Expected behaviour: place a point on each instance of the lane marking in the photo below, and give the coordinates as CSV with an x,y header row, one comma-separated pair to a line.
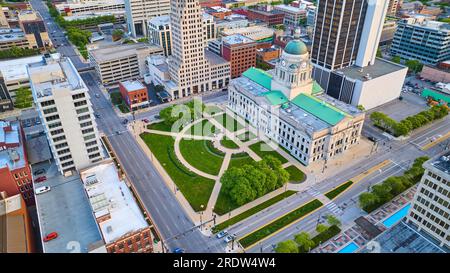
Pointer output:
x,y
437,141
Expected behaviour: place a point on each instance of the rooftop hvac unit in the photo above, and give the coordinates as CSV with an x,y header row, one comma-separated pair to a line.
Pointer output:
x,y
14,155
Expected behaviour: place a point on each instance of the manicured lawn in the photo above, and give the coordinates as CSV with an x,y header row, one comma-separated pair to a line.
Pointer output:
x,y
229,122
249,212
198,155
228,143
160,126
295,175
246,136
279,223
224,204
335,192
204,128
239,160
196,189
212,109
262,149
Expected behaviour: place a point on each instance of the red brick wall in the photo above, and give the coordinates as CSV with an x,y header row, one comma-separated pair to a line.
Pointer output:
x,y
241,57
140,241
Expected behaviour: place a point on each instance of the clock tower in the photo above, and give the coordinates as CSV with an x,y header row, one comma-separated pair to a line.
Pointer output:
x,y
293,70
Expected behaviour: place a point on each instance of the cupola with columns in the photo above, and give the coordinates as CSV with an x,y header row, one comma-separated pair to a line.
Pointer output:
x,y
292,74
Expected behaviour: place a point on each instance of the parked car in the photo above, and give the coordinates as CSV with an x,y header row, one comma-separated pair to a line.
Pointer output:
x,y
50,236
40,179
97,115
228,239
146,120
42,190
97,95
178,250
371,138
157,117
125,121
39,171
221,234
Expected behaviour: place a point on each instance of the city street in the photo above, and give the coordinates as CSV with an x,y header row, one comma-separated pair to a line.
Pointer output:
x,y
169,216
57,36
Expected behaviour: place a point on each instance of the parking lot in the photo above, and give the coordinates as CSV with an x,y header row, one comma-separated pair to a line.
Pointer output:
x,y
411,104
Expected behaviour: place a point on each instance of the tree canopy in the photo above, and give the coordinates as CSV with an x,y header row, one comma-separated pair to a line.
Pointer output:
x,y
246,183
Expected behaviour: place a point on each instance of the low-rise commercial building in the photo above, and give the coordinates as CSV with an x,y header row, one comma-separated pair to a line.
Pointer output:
x,y
430,208
369,86
293,16
14,73
134,93
122,62
240,51
15,172
412,40
231,22
89,7
122,223
13,38
34,28
435,74
260,34
267,14
17,232
218,12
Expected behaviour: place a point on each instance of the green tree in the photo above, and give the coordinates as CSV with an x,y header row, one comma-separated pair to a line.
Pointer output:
x,y
379,54
117,34
303,239
361,107
382,191
159,88
288,246
400,129
396,185
321,228
396,59
367,199
414,65
333,220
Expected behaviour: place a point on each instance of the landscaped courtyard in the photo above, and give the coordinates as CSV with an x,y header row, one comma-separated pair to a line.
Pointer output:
x,y
201,153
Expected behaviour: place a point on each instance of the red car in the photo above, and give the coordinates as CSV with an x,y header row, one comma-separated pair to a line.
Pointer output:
x,y
40,179
50,236
145,120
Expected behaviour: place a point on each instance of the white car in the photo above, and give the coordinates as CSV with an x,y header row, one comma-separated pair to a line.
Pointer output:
x,y
228,239
42,190
221,234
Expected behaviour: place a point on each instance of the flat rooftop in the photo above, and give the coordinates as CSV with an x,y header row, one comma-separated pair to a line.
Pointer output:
x,y
403,238
252,32
13,157
132,85
11,36
236,39
65,209
93,15
16,69
162,20
290,8
442,163
380,68
108,195
52,75
113,52
213,58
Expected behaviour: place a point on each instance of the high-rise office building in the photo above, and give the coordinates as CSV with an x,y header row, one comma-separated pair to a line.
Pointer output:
x,y
347,32
192,69
430,209
345,43
63,103
138,12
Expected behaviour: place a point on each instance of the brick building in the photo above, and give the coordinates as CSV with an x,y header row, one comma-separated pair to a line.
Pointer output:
x,y
121,221
218,12
15,172
134,93
240,51
266,14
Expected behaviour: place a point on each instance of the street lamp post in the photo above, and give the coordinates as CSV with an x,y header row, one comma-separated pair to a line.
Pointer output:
x,y
201,213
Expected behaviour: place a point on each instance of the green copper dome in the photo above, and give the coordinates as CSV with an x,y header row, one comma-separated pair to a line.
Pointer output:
x,y
296,47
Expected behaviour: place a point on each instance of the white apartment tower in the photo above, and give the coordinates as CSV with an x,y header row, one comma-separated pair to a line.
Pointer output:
x,y
138,13
64,106
191,68
430,209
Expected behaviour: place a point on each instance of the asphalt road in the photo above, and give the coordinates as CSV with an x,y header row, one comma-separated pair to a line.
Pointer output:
x,y
402,154
57,36
168,215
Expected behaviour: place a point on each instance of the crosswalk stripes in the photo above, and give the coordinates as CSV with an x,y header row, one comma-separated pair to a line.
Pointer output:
x,y
313,192
334,208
